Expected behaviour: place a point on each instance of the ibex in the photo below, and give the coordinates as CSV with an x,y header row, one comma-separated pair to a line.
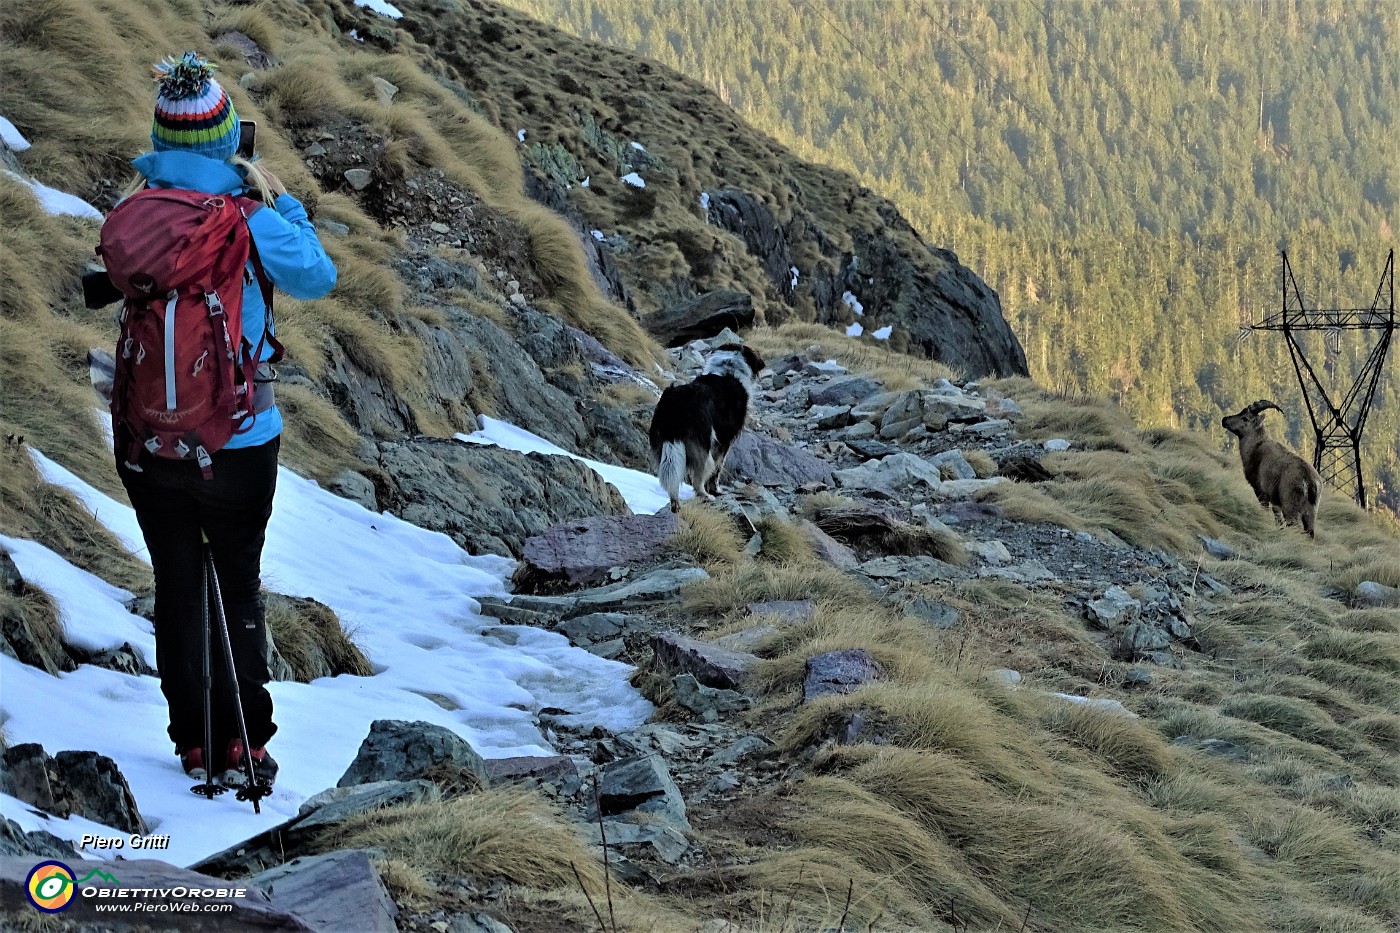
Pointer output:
x,y
1281,479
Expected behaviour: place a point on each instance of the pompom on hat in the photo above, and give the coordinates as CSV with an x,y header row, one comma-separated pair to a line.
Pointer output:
x,y
193,113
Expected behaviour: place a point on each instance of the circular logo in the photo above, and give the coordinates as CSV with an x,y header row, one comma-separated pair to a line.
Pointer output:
x,y
50,886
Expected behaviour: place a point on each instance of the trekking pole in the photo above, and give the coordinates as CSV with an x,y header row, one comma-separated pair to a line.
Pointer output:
x,y
208,789
252,790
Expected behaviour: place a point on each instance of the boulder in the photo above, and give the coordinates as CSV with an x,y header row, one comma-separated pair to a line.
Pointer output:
x,y
596,627
332,892
533,770
894,472
1373,595
580,553
826,547
707,702
642,784
829,417
839,672
919,569
953,462
700,317
488,499
711,665
71,783
1115,607
395,750
843,392
758,458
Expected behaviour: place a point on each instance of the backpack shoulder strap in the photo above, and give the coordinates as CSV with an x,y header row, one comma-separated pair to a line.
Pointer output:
x,y
250,206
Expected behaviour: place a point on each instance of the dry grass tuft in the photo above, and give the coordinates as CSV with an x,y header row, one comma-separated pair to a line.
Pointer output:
x,y
494,833
783,542
760,583
315,435
310,638
981,462
708,535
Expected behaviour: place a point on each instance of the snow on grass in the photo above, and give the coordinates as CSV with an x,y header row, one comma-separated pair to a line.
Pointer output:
x,y
705,200
408,595
381,7
883,333
520,136
57,202
641,491
855,330
116,516
598,235
584,183
793,271
639,147
633,179
12,137
853,303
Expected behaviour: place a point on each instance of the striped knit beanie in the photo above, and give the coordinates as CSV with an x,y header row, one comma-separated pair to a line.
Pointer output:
x,y
193,113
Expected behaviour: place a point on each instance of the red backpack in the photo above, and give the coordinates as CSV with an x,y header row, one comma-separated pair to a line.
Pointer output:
x,y
180,388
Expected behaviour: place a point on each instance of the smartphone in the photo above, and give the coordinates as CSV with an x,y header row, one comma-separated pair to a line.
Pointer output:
x,y
247,138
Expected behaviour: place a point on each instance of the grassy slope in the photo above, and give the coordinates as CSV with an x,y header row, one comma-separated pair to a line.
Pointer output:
x,y
985,805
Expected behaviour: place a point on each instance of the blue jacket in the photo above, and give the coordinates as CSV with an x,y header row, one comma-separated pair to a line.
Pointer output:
x,y
291,254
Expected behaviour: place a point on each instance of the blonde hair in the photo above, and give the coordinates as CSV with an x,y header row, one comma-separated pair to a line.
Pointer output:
x,y
255,181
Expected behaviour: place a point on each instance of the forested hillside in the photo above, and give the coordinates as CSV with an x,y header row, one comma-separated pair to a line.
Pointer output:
x,y
1124,174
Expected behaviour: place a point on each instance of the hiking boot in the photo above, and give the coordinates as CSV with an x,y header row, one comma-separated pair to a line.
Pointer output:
x,y
192,760
235,775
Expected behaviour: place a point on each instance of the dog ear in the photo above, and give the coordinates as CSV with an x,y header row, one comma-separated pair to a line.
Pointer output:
x,y
755,361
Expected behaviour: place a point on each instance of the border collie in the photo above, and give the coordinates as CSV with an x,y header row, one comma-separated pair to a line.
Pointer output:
x,y
695,424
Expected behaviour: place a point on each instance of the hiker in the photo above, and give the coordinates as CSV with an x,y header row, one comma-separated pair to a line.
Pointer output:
x,y
222,490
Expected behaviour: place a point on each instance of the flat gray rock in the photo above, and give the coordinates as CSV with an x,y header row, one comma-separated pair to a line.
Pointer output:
x,y
711,665
844,392
582,552
708,702
338,804
793,609
826,547
839,672
758,458
332,893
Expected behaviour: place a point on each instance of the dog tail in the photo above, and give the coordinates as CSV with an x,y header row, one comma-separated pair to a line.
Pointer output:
x,y
671,471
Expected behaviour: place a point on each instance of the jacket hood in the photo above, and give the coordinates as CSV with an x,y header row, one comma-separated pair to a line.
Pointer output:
x,y
189,170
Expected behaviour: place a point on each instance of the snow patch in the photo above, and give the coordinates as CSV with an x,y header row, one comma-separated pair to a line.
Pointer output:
x,y
520,136
639,147
381,7
410,596
633,179
12,137
705,200
598,235
58,202
584,183
883,333
853,303
855,330
641,491
793,271
354,34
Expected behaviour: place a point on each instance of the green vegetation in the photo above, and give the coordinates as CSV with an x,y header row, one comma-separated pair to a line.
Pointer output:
x,y
1123,175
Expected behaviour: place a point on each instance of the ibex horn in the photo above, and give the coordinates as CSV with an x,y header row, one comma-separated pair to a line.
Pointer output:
x,y
1261,405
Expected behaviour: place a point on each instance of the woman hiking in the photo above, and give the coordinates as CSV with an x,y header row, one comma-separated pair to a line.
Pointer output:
x,y
216,483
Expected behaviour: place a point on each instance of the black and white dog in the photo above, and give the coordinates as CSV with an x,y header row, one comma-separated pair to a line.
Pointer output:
x,y
695,424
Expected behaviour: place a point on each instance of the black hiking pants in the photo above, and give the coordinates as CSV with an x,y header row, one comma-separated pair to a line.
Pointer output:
x,y
173,502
